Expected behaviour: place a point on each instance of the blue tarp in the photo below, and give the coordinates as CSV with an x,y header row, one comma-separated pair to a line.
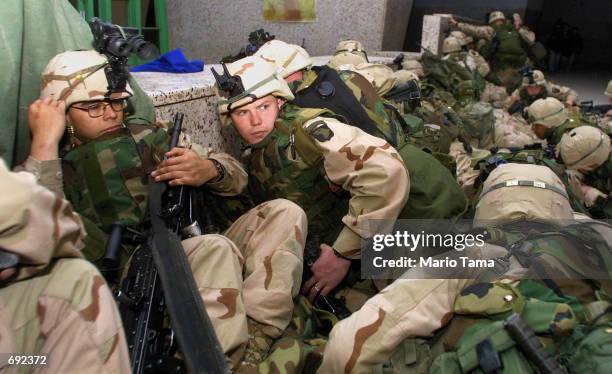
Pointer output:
x,y
171,62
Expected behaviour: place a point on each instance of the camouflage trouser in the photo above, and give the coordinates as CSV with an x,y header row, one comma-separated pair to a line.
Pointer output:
x,y
68,314
254,270
512,131
405,309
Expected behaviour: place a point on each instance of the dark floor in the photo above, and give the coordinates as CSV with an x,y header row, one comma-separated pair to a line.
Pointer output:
x,y
589,83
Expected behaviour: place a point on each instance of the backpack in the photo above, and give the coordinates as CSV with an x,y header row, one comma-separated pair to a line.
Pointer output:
x,y
451,76
575,325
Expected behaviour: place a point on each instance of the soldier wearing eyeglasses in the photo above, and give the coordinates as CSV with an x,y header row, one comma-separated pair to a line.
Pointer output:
x,y
82,147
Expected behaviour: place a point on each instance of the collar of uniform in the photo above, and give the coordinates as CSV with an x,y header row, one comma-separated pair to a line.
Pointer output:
x,y
309,77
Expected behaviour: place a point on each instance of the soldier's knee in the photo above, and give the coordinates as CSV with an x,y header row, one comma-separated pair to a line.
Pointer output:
x,y
77,282
211,242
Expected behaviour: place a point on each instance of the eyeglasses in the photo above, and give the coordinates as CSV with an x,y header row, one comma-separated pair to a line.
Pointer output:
x,y
97,109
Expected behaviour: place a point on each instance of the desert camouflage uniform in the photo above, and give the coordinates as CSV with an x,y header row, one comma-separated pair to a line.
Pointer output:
x,y
58,304
604,122
512,131
235,273
488,32
416,307
350,158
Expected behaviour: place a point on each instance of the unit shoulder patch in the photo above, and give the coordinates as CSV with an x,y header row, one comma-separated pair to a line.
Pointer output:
x,y
320,131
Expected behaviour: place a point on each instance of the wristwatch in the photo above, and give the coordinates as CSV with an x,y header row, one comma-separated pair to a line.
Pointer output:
x,y
220,171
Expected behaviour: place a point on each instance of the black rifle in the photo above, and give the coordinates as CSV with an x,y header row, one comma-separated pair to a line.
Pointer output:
x,y
257,38
408,91
518,107
531,346
159,286
587,107
398,60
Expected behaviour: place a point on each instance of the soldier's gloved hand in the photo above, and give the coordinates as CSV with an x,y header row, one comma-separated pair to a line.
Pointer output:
x,y
47,121
327,273
184,167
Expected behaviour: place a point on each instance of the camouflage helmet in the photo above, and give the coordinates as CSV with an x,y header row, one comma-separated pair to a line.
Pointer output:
x,y
404,76
609,89
288,58
538,79
548,112
414,66
462,37
346,59
254,78
585,148
450,45
379,75
351,46
496,16
76,76
522,191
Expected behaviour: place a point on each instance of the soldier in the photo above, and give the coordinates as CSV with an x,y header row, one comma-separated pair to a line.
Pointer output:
x,y
586,150
415,307
550,119
53,302
472,60
348,52
345,93
537,87
455,48
337,173
103,172
505,49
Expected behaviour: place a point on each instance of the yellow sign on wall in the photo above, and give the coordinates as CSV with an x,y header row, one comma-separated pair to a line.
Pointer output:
x,y
290,10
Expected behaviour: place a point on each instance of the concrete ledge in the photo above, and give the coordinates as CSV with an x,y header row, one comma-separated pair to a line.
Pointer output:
x,y
195,95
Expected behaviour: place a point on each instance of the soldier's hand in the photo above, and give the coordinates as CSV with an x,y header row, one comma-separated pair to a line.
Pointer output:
x,y
452,21
570,103
47,121
327,273
609,113
591,194
185,167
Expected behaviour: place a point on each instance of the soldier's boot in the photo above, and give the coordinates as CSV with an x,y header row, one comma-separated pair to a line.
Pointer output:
x,y
257,348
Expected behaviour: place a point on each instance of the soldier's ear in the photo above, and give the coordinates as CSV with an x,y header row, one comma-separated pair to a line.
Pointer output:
x,y
280,102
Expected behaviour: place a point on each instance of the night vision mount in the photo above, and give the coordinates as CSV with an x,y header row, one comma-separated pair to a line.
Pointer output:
x,y
117,43
231,84
527,72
